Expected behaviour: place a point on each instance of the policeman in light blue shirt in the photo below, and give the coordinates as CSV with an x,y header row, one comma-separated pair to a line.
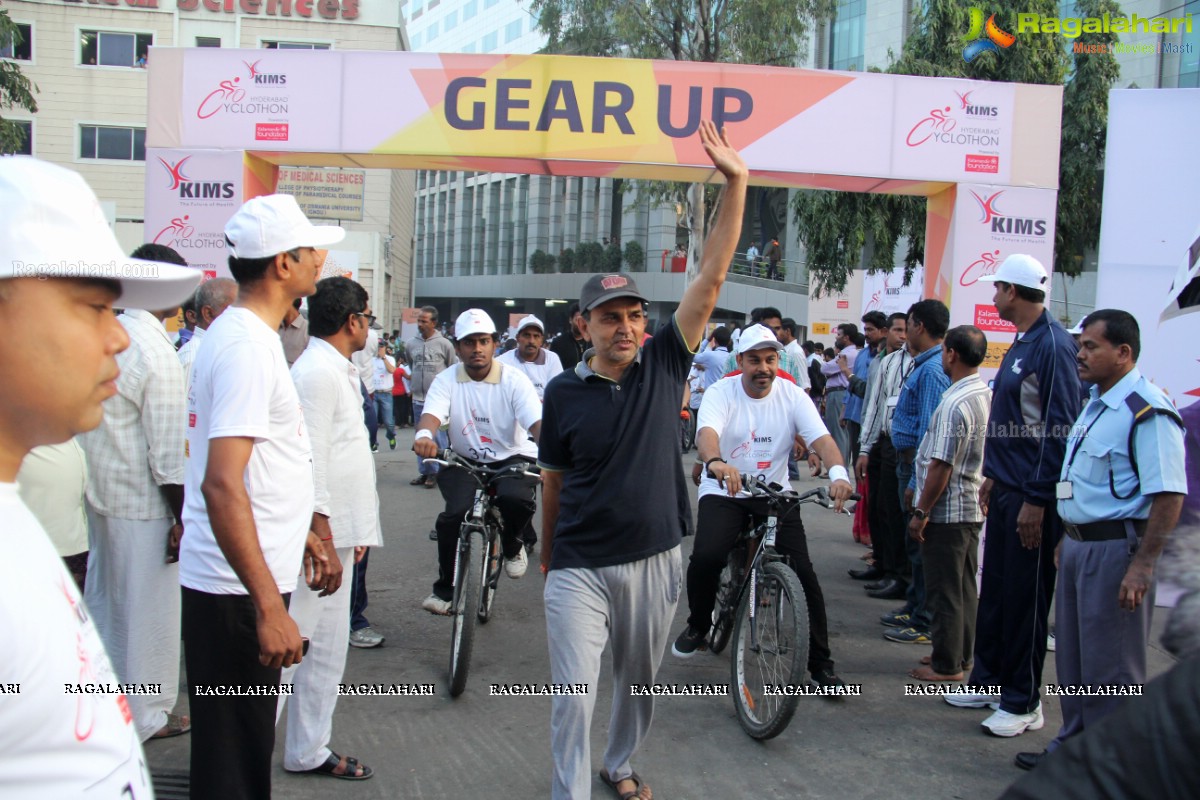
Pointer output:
x,y
1120,494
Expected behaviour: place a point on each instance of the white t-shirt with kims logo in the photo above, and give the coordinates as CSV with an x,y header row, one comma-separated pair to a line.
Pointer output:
x,y
241,387
65,729
489,419
756,435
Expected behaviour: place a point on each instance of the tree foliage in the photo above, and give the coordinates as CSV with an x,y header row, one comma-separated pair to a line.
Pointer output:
x,y
16,90
589,257
635,256
541,262
836,226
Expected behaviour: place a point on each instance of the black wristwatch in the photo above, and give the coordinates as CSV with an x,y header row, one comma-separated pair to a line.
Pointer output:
x,y
920,514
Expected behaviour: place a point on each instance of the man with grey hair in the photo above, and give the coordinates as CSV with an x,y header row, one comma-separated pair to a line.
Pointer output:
x,y
429,353
210,301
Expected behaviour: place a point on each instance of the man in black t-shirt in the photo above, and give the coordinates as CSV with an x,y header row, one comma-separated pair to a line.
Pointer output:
x,y
569,346
615,504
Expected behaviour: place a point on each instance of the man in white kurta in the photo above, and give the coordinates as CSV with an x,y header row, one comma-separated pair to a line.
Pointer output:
x,y
135,494
345,517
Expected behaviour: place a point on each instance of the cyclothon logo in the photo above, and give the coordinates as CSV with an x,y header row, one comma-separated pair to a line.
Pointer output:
x,y
987,264
230,95
985,37
176,233
192,189
1001,223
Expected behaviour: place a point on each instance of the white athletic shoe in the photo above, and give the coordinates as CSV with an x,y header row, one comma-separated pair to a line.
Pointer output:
x,y
1002,723
973,700
515,567
436,605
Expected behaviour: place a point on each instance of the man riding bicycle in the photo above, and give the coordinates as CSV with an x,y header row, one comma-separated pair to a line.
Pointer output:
x,y
492,411
748,425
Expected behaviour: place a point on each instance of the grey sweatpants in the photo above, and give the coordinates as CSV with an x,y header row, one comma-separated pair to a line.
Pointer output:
x,y
631,605
1096,642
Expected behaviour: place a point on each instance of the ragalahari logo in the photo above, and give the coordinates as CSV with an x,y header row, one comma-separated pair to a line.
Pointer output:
x,y
985,37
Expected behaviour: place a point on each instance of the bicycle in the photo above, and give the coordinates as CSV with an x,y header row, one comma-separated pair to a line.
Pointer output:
x,y
761,606
687,428
478,561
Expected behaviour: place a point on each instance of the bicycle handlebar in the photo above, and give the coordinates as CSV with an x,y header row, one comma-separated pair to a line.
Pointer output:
x,y
481,472
760,488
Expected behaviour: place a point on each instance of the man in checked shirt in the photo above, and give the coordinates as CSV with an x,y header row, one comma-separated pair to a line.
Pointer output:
x,y
135,494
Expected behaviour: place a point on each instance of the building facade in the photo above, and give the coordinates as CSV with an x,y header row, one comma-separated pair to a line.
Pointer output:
x,y
88,59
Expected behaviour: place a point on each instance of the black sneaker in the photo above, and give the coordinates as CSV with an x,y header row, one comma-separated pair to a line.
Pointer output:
x,y
826,679
689,642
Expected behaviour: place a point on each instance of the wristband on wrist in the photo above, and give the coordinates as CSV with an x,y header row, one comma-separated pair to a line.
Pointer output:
x,y
423,434
838,473
709,463
328,538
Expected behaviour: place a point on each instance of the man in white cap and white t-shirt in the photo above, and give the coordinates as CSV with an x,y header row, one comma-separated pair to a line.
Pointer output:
x,y
66,733
249,500
538,363
495,418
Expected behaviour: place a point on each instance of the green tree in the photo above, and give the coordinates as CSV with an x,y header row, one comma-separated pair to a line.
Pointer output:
x,y
635,256
16,90
612,257
541,262
566,260
589,257
841,230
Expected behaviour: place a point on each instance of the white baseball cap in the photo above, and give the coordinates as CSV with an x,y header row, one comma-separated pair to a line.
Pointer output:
x,y
1021,270
52,226
1078,329
266,226
471,321
756,337
531,320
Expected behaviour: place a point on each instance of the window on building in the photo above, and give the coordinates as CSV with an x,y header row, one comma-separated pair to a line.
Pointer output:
x,y
489,3
415,40
489,42
450,21
19,47
512,31
26,129
847,35
470,9
418,10
296,45
208,41
112,49
431,32
433,4
112,143
468,48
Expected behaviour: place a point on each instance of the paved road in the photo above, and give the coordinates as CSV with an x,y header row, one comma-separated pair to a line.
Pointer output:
x,y
879,745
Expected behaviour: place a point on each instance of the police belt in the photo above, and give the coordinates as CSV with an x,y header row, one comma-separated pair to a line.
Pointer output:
x,y
1104,531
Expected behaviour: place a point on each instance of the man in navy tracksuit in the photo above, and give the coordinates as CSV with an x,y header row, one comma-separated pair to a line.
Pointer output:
x,y
1035,401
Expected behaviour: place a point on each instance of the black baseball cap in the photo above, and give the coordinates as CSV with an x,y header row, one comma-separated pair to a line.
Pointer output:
x,y
602,288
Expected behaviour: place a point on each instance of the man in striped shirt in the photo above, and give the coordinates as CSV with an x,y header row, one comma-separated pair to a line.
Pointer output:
x,y
946,518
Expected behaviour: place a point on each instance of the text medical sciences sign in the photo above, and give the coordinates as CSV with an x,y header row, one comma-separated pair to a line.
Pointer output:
x,y
606,117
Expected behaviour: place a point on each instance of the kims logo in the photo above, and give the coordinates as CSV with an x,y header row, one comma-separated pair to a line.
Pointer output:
x,y
985,37
990,214
264,78
194,190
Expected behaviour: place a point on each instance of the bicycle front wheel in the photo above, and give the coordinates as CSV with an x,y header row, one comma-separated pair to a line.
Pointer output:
x,y
492,561
770,651
467,569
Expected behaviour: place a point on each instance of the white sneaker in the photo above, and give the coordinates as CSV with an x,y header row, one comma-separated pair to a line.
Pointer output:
x,y
515,567
1002,723
1050,642
973,700
436,605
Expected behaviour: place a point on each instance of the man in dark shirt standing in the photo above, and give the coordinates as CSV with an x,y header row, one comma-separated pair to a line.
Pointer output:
x,y
615,504
569,346
1035,401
